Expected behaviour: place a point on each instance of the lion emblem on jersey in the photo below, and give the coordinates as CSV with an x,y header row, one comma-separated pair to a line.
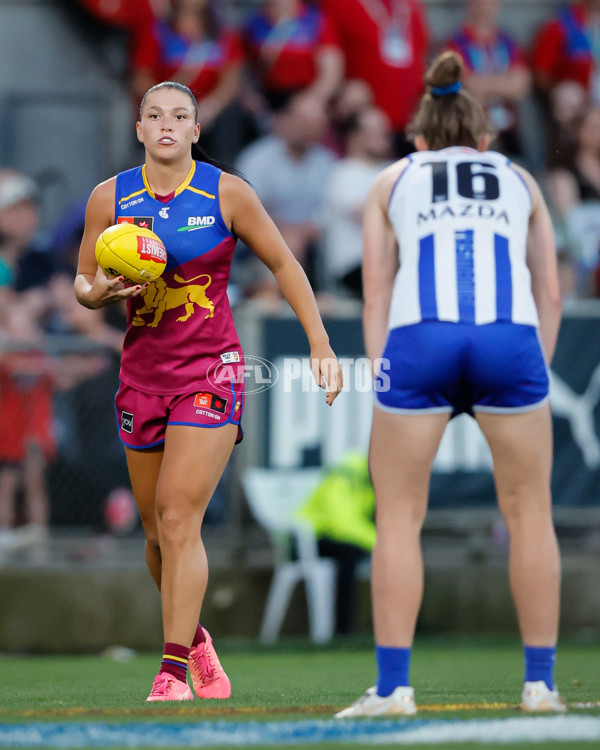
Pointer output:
x,y
159,297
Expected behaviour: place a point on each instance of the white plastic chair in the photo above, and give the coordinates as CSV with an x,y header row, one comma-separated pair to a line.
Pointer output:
x,y
274,496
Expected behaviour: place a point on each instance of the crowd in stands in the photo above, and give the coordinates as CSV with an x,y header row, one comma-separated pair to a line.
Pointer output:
x,y
309,100
37,307
325,89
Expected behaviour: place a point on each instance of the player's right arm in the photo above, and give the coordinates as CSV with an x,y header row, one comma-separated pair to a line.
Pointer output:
x,y
93,288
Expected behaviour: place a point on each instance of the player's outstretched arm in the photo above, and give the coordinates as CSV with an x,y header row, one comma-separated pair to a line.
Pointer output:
x,y
246,217
93,289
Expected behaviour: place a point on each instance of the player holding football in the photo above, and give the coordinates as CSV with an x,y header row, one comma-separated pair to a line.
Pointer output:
x,y
462,299
179,329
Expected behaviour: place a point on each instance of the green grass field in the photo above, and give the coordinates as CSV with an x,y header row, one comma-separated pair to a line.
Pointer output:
x,y
453,679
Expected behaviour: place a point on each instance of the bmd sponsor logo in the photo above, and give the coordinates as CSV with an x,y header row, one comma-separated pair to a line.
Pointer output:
x,y
197,222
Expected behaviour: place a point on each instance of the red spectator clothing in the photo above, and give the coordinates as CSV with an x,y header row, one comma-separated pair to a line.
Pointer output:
x,y
26,413
124,13
491,55
171,57
384,43
283,55
562,50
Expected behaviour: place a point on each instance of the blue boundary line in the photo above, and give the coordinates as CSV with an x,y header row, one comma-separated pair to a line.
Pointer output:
x,y
244,734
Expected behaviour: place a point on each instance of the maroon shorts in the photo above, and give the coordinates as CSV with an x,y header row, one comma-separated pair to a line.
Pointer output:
x,y
142,418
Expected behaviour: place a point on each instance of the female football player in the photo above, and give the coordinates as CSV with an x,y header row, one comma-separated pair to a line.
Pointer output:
x,y
462,302
181,398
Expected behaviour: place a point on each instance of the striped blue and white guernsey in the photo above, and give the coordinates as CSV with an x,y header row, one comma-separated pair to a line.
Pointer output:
x,y
461,219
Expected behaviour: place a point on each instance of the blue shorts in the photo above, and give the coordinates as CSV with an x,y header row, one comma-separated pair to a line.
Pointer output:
x,y
437,366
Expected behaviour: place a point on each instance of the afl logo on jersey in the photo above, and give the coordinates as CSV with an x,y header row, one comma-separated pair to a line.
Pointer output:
x,y
164,212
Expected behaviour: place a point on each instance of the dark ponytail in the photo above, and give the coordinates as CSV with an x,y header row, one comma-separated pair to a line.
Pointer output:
x,y
199,154
447,114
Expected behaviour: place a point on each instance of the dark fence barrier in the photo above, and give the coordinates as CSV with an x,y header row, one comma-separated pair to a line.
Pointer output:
x,y
290,425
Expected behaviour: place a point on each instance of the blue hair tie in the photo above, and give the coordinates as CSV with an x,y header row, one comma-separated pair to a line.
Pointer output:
x,y
453,88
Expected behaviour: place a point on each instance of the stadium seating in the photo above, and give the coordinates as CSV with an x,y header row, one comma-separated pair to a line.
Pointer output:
x,y
274,496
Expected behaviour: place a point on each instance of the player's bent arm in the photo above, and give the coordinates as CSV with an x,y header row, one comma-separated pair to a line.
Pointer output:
x,y
93,289
247,218
380,261
543,267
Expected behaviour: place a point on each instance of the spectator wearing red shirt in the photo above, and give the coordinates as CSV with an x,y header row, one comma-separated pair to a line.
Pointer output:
x,y
495,69
566,65
291,47
384,44
190,47
568,48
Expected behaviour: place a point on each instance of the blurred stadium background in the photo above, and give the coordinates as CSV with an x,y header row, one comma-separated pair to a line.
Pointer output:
x,y
79,584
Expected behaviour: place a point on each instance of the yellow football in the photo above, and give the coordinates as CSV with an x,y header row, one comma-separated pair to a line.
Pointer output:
x,y
130,251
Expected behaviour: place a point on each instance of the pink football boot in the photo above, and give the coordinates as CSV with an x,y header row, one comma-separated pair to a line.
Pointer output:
x,y
208,677
168,688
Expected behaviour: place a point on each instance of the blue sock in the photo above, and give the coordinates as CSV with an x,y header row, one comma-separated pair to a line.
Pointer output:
x,y
539,664
392,668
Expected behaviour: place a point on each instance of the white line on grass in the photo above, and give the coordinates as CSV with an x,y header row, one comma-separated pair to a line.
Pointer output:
x,y
509,731
240,734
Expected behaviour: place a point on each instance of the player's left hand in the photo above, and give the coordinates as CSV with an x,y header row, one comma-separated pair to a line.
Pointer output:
x,y
327,372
